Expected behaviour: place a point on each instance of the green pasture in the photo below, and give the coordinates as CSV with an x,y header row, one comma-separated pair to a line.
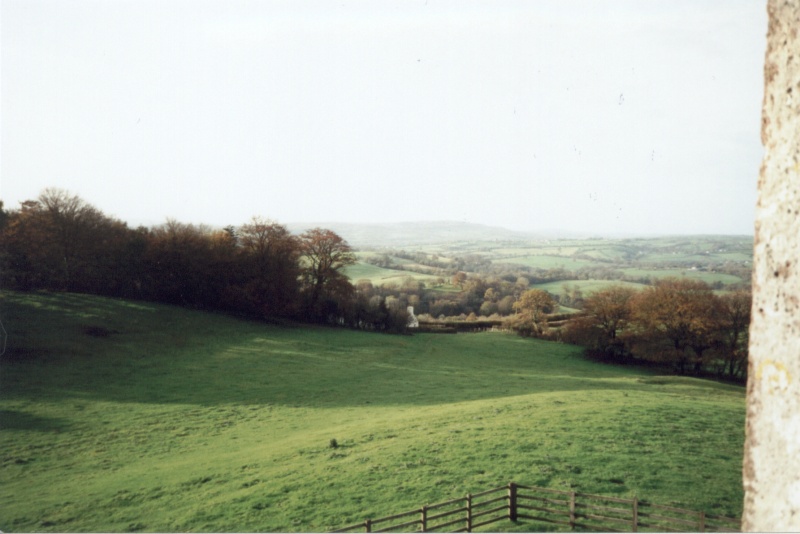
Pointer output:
x,y
551,262
445,288
706,276
546,250
681,250
736,256
129,416
607,253
718,257
604,251
587,287
380,275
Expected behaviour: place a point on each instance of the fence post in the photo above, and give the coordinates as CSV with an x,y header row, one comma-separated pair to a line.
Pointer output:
x,y
635,527
469,512
368,525
423,518
572,510
512,502
702,522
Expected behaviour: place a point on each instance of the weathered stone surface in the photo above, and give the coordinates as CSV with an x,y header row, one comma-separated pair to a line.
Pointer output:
x,y
772,449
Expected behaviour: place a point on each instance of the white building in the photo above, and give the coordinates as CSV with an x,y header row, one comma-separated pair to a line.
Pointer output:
x,y
413,322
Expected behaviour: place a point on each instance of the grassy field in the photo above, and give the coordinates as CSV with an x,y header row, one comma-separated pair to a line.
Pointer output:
x,y
121,416
711,259
549,262
380,276
685,249
587,287
705,276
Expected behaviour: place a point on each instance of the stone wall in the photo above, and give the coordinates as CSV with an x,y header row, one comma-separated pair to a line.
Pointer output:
x,y
772,449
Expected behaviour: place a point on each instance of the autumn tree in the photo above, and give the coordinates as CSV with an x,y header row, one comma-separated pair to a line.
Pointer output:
x,y
505,305
412,286
682,312
606,313
571,295
611,308
488,307
360,311
71,225
25,248
735,321
474,290
270,255
520,286
325,255
532,309
3,216
459,279
59,241
181,265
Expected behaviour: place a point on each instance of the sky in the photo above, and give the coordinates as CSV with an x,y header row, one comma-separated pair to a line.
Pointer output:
x,y
602,117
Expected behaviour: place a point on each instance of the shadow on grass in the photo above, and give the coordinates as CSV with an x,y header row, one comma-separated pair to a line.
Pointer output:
x,y
16,420
160,354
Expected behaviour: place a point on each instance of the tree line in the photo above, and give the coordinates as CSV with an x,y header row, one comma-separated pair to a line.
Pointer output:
x,y
677,322
60,242
457,297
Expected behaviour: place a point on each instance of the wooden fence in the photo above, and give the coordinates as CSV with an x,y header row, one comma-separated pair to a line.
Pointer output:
x,y
457,515
569,509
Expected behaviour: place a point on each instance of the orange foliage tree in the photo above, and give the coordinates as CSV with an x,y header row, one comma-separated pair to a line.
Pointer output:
x,y
681,314
607,314
735,322
532,308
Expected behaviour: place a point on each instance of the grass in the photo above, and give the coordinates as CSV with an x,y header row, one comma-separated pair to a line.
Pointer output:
x,y
550,262
719,257
565,251
573,264
380,275
572,254
705,276
174,420
587,287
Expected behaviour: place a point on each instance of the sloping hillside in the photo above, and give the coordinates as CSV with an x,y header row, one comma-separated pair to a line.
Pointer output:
x,y
125,416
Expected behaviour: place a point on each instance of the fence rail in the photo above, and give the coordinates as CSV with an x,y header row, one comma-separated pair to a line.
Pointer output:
x,y
583,511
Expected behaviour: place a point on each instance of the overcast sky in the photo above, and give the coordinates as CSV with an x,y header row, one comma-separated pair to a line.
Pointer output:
x,y
599,116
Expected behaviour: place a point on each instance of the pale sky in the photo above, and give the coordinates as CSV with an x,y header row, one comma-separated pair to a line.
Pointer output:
x,y
594,116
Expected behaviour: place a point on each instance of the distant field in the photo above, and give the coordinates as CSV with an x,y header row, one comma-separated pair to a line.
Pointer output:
x,y
608,253
570,264
696,258
705,276
688,250
536,251
379,275
129,416
549,262
587,287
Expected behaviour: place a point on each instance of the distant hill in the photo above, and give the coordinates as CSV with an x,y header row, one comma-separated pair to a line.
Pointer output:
x,y
417,233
